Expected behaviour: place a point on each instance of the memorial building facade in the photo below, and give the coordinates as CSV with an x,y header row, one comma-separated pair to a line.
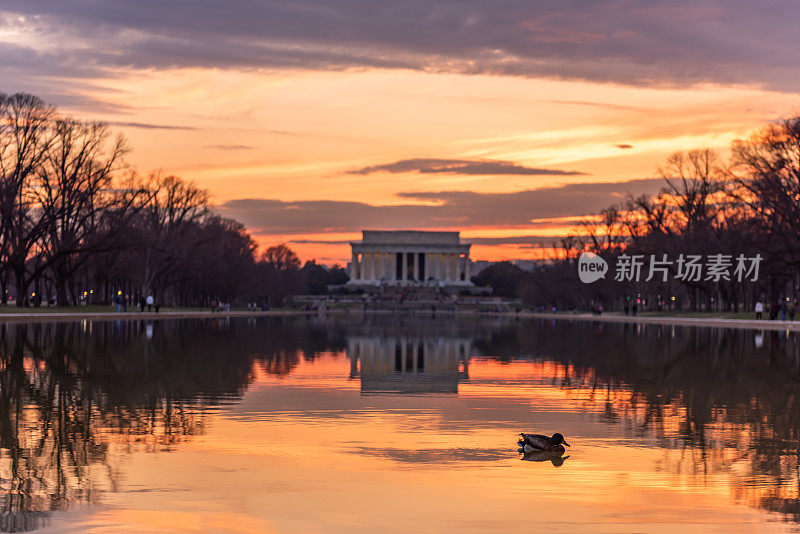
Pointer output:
x,y
409,258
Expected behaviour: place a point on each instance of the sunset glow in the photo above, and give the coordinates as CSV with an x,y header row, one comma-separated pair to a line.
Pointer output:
x,y
301,150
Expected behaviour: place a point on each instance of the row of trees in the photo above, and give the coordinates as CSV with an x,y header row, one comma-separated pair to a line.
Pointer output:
x,y
79,225
748,205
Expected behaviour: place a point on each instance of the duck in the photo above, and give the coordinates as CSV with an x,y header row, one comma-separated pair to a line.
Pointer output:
x,y
538,442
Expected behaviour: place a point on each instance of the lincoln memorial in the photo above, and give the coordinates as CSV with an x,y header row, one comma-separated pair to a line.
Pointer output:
x,y
408,258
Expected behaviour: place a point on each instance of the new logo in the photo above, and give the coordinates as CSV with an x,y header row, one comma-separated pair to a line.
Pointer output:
x,y
591,267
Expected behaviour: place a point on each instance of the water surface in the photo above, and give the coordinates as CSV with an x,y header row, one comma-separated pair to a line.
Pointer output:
x,y
360,424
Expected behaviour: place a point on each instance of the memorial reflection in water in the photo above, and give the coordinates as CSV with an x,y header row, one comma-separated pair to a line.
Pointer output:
x,y
408,363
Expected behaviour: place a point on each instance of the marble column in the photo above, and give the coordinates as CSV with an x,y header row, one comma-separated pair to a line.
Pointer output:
x,y
404,269
386,266
467,266
415,255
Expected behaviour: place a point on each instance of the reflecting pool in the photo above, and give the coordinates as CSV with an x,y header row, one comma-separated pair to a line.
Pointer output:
x,y
396,424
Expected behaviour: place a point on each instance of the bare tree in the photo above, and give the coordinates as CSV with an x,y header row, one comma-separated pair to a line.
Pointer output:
x,y
278,274
769,173
165,239
74,188
25,138
694,181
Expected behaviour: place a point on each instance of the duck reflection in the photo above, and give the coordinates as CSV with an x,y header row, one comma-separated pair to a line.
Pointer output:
x,y
557,458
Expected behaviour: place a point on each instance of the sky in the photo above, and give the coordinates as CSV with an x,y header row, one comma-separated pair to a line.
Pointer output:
x,y
310,120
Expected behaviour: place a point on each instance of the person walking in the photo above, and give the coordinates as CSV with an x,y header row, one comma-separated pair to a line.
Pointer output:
x,y
149,303
783,310
759,310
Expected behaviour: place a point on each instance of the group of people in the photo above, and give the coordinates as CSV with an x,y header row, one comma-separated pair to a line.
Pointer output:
x,y
633,310
783,309
141,303
220,306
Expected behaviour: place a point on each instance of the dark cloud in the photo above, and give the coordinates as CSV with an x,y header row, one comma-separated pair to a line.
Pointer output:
x,y
667,42
461,166
149,126
444,209
624,146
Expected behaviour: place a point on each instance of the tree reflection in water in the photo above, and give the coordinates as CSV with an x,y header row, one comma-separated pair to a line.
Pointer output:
x,y
715,400
74,397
